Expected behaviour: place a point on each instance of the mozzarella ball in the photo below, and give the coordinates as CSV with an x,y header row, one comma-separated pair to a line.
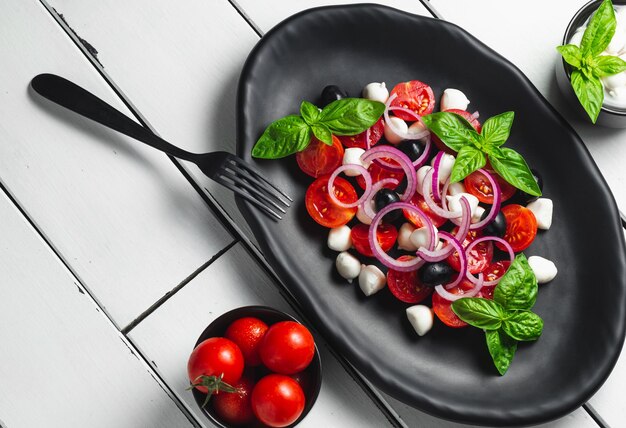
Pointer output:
x,y
456,188
421,174
352,156
417,127
371,280
348,266
421,237
395,123
544,269
361,216
421,318
454,202
404,235
339,238
614,81
445,166
542,209
376,92
453,99
478,213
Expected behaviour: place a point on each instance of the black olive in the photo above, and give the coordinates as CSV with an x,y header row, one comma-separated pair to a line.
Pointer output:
x,y
524,198
432,274
385,197
497,227
412,148
332,93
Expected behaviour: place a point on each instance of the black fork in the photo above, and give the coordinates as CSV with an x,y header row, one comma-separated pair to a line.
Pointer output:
x,y
222,167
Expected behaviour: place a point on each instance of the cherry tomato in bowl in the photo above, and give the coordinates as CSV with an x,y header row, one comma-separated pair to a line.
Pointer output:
x,y
277,400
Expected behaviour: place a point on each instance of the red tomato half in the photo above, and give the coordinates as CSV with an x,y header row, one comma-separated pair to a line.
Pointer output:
x,y
359,140
378,173
477,259
320,158
418,201
322,209
217,357
287,348
494,271
385,233
247,334
415,96
442,308
467,116
406,285
478,185
235,407
277,400
521,227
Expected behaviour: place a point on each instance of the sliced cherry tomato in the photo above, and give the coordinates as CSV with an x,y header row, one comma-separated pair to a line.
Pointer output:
x,y
247,334
494,271
360,140
320,158
478,185
322,209
521,227
214,358
287,347
443,309
418,201
378,173
415,96
477,259
235,407
277,400
406,285
467,116
385,233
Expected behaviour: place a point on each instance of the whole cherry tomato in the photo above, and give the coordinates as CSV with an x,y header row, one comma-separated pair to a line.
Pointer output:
x,y
235,408
287,347
214,362
277,400
247,334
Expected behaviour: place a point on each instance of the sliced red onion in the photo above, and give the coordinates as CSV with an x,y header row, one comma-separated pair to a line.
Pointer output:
x,y
474,116
495,207
506,245
426,189
367,139
454,297
460,236
396,156
367,203
403,135
368,185
386,259
417,163
435,179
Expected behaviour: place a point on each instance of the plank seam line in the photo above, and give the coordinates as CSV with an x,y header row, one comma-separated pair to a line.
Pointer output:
x,y
595,415
176,289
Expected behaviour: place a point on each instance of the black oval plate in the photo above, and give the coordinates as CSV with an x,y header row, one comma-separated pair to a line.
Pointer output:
x,y
448,372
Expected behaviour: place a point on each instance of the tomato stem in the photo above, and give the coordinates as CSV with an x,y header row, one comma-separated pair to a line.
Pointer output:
x,y
213,384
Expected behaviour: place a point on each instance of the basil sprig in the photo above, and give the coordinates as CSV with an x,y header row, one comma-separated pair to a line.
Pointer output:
x,y
292,134
474,148
587,63
507,319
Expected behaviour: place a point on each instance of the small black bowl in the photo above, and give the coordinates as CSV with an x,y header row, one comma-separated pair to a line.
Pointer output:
x,y
269,316
610,117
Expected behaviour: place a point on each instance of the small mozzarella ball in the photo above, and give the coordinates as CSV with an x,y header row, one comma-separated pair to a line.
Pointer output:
x,y
619,93
478,214
376,92
453,99
417,127
421,237
352,156
454,202
371,280
617,42
395,123
614,81
577,37
348,266
404,235
544,269
542,209
421,174
361,216
456,188
421,318
339,238
445,166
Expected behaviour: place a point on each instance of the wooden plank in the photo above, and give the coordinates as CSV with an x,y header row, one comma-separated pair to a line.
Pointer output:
x,y
119,213
63,362
168,335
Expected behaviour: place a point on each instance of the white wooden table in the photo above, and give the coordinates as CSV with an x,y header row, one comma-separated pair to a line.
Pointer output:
x,y
114,257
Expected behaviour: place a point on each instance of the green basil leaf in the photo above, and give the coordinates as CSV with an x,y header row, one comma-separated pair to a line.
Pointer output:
x,y
452,129
600,30
322,133
513,168
284,137
468,160
497,128
607,65
350,116
494,151
589,91
517,288
479,312
571,54
502,349
309,112
523,325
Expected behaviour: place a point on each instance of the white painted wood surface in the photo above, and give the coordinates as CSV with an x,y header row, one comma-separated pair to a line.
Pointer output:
x,y
168,335
63,363
120,213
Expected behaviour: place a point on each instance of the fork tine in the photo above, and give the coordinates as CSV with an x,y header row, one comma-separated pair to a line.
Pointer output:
x,y
259,184
253,190
249,168
247,197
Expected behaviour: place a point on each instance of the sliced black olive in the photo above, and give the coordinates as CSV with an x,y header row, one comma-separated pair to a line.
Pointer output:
x,y
332,93
432,274
412,148
385,197
524,198
497,227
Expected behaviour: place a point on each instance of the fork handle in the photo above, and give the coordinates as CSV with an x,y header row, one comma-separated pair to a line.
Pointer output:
x,y
71,96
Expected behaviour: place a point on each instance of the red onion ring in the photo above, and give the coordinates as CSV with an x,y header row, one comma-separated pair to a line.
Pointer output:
x,y
435,180
426,189
403,135
455,245
396,156
384,258
368,185
417,163
453,297
474,116
495,207
367,203
460,235
506,245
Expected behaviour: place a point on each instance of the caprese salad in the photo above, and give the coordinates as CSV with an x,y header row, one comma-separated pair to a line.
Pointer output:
x,y
431,205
